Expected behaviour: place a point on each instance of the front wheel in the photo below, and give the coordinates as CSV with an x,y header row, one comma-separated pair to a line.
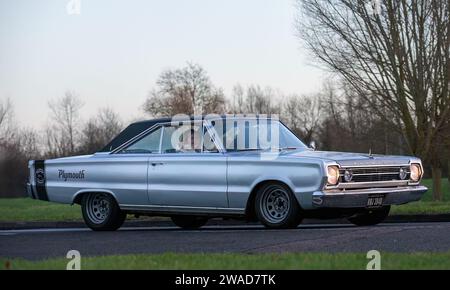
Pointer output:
x,y
370,217
189,222
276,207
101,212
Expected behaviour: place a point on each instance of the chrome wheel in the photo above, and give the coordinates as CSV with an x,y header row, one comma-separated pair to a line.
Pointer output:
x,y
275,204
98,207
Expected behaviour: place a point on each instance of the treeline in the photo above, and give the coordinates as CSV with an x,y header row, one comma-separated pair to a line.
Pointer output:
x,y
336,118
65,135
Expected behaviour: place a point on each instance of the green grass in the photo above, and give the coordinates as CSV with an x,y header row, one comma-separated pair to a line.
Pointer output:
x,y
421,207
26,209
426,205
428,196
303,261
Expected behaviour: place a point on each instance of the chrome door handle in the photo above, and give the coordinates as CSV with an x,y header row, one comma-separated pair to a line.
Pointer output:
x,y
157,163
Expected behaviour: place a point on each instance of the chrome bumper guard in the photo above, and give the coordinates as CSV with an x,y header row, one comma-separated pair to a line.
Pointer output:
x,y
358,197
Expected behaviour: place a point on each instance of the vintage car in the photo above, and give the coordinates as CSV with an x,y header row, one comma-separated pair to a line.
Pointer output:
x,y
250,167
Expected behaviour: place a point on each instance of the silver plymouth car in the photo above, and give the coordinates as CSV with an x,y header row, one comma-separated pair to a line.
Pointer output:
x,y
196,168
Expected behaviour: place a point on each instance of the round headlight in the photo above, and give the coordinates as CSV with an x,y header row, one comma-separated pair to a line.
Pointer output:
x,y
333,175
416,172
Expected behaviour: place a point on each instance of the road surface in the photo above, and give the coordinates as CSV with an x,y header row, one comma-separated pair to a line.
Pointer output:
x,y
36,244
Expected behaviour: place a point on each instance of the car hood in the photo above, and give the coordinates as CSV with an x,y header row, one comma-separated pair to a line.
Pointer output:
x,y
354,159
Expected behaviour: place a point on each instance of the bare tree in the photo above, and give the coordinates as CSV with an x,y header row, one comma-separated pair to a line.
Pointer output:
x,y
6,112
14,156
17,146
29,143
63,132
303,115
397,58
348,123
99,130
185,91
254,100
237,100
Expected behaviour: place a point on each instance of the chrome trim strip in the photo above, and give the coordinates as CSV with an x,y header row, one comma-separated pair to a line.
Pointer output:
x,y
182,209
161,138
362,166
381,173
372,184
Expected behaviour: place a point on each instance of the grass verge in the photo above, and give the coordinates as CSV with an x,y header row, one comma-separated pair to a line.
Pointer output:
x,y
426,205
421,207
27,209
301,261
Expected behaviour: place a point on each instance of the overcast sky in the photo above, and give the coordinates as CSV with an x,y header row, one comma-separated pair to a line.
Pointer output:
x,y
113,51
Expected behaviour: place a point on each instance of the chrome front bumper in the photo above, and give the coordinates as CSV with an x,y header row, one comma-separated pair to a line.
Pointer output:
x,y
358,197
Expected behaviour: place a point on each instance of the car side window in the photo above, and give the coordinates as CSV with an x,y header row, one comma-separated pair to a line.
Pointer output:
x,y
190,138
166,144
148,144
208,142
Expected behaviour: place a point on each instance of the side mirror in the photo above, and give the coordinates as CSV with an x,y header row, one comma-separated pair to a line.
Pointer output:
x,y
312,145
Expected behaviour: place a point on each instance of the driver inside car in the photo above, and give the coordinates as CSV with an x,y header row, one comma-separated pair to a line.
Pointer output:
x,y
190,141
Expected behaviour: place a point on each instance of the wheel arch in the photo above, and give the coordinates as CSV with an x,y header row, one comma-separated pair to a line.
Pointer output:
x,y
77,197
250,209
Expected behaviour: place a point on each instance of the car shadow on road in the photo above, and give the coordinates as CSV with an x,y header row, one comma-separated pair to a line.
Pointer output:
x,y
216,228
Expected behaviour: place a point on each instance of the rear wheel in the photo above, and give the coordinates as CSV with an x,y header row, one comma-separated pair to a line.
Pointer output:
x,y
101,212
276,207
370,217
189,222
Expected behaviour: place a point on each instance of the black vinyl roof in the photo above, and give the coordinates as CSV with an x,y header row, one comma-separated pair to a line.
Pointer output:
x,y
132,130
137,128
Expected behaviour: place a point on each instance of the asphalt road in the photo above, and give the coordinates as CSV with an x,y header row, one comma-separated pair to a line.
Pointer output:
x,y
36,244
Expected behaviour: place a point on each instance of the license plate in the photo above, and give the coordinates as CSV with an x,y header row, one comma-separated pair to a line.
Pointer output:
x,y
375,200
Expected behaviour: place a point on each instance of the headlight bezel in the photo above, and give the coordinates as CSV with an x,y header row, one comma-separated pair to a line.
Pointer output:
x,y
418,172
332,175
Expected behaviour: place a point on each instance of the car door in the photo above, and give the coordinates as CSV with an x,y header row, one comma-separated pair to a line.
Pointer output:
x,y
187,177
126,171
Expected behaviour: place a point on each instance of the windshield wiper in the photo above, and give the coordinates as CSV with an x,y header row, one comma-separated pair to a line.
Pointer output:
x,y
266,149
287,148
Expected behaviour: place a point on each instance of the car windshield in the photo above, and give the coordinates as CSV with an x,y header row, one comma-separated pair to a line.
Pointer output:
x,y
255,135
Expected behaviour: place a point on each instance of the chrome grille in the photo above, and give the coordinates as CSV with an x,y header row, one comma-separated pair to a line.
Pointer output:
x,y
374,174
